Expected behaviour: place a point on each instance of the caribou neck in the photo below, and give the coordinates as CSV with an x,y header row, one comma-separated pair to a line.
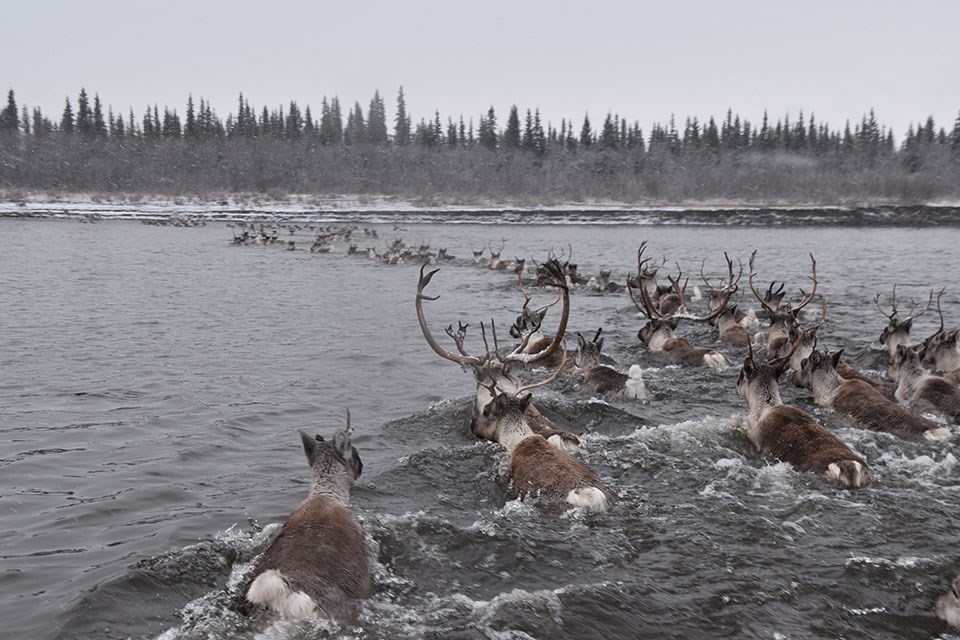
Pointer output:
x,y
512,429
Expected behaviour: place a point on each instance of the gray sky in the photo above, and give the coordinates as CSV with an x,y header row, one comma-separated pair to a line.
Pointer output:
x,y
642,59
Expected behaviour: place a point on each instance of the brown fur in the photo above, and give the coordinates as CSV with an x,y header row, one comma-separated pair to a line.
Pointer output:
x,y
680,351
863,404
320,552
849,372
860,402
541,470
793,436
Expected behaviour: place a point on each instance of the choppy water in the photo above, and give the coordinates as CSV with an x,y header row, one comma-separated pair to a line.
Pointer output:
x,y
152,380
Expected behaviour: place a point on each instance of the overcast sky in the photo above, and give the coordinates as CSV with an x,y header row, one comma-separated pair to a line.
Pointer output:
x,y
642,59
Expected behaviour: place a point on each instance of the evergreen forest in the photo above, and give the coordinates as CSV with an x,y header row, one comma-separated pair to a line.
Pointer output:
x,y
484,157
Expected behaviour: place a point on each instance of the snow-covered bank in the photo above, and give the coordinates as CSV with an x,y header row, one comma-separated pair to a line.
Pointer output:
x,y
389,209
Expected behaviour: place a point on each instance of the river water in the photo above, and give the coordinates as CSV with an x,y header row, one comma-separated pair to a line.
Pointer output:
x,y
153,379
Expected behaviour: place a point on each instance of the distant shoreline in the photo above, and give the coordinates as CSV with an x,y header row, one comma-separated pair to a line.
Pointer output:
x,y
375,209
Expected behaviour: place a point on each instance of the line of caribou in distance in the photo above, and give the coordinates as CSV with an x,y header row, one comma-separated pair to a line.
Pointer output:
x,y
292,580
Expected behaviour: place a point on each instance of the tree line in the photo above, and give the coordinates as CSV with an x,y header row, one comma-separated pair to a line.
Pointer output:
x,y
353,150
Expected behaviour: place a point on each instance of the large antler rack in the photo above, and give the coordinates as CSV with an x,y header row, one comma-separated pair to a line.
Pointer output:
x,y
462,357
894,315
765,300
647,307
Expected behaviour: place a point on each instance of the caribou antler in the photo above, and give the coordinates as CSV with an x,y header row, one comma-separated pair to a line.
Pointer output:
x,y
558,280
553,376
763,300
652,311
771,293
462,358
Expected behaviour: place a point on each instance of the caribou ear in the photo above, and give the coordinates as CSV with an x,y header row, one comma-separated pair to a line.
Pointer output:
x,y
524,402
580,341
908,324
816,358
309,447
600,344
835,357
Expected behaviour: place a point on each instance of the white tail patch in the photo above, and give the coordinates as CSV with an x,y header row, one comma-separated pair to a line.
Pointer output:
x,y
940,434
635,385
715,360
564,445
270,589
589,498
853,478
750,321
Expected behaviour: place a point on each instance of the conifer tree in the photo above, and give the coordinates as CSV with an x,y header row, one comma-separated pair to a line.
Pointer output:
x,y
25,120
487,135
377,121
191,131
511,134
955,140
84,115
99,123
9,116
66,120
355,131
609,134
586,133
401,128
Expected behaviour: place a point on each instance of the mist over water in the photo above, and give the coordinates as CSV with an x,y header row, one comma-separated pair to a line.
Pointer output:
x,y
153,379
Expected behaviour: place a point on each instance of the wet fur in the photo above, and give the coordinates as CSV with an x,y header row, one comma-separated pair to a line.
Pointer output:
x,y
787,434
948,605
659,337
604,379
317,564
863,405
924,390
540,469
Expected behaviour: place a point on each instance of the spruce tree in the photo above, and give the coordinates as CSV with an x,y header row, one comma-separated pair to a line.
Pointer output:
x,y
608,135
84,114
488,130
586,133
99,123
377,121
9,116
401,128
191,130
955,140
511,134
66,120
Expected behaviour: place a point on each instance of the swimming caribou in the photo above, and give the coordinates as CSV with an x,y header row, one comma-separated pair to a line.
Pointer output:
x,y
658,333
785,433
860,403
317,564
493,369
603,379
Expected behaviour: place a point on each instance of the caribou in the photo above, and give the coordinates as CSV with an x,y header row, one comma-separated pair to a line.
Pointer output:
x,y
317,564
540,471
658,333
940,351
897,331
604,379
859,403
920,388
948,605
787,434
492,370
782,317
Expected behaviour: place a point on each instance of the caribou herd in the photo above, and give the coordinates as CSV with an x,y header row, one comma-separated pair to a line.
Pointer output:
x,y
922,379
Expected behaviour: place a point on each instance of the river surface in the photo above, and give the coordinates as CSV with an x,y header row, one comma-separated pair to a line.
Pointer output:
x,y
153,379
